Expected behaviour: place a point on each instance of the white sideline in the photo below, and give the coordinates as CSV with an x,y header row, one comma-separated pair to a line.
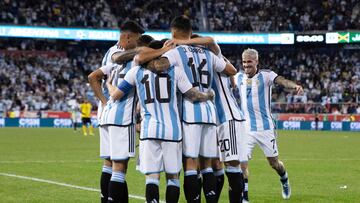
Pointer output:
x,y
63,184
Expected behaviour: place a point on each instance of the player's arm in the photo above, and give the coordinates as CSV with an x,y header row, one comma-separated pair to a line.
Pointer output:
x,y
124,56
95,83
280,80
196,96
208,42
148,54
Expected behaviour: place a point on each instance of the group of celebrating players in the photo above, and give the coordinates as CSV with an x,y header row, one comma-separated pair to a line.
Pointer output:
x,y
198,112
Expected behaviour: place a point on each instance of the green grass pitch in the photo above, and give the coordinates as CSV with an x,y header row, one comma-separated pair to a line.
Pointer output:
x,y
319,164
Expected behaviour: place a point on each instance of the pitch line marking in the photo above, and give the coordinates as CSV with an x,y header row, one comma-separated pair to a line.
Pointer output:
x,y
63,184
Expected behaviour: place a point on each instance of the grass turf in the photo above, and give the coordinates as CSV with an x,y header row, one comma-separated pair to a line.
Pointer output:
x,y
319,165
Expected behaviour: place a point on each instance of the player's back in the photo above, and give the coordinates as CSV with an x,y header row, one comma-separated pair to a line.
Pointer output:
x,y
120,112
225,102
199,65
158,101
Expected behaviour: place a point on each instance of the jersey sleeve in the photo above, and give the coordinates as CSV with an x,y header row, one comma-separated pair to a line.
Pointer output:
x,y
270,77
219,64
171,56
106,69
130,76
182,82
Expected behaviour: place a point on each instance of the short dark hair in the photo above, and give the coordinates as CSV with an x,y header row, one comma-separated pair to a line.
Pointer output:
x,y
144,40
181,23
156,44
132,26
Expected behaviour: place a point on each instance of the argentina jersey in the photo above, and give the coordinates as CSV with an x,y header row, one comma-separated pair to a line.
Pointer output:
x,y
120,112
106,66
199,65
158,101
225,102
255,94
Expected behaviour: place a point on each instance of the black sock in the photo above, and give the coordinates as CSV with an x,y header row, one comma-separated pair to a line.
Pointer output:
x,y
116,191
219,175
191,187
125,198
172,191
209,185
245,193
199,185
104,183
235,186
117,187
152,193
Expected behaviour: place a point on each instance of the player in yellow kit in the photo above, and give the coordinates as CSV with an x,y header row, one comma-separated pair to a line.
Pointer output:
x,y
85,109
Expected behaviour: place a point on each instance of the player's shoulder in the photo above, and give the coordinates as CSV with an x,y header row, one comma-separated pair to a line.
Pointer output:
x,y
265,70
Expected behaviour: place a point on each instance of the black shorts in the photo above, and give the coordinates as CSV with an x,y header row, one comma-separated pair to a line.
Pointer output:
x,y
86,121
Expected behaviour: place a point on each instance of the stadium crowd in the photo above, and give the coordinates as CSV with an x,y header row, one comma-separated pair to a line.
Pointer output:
x,y
47,81
234,15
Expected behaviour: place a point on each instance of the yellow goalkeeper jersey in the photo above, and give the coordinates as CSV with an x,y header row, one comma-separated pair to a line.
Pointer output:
x,y
85,109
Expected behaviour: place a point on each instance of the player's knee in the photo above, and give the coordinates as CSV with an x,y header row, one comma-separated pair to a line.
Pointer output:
x,y
274,163
233,163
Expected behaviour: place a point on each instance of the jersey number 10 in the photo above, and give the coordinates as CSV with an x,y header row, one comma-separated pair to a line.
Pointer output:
x,y
159,89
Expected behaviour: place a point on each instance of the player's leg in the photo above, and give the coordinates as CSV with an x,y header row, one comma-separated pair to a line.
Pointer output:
x,y
268,144
218,169
229,145
191,148
151,164
172,156
91,128
84,126
107,165
208,151
247,143
121,139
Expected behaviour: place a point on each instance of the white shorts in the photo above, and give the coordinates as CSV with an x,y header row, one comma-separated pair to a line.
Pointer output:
x,y
199,139
104,142
122,142
230,134
157,156
265,139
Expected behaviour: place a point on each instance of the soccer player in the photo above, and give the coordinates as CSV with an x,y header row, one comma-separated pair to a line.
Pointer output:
x,y
130,33
255,93
198,119
85,109
161,133
230,126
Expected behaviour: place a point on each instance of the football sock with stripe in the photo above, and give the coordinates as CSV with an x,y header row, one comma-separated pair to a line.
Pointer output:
x,y
152,190
235,178
172,191
104,183
117,187
209,185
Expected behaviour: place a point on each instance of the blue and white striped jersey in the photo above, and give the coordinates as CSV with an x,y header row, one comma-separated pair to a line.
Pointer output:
x,y
199,65
106,66
158,101
120,112
226,105
255,94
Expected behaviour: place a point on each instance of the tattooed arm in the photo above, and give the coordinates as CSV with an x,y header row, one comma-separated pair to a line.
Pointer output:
x,y
289,84
122,57
196,96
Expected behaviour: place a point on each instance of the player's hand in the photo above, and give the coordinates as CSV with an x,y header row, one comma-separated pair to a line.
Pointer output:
x,y
169,44
211,94
299,90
